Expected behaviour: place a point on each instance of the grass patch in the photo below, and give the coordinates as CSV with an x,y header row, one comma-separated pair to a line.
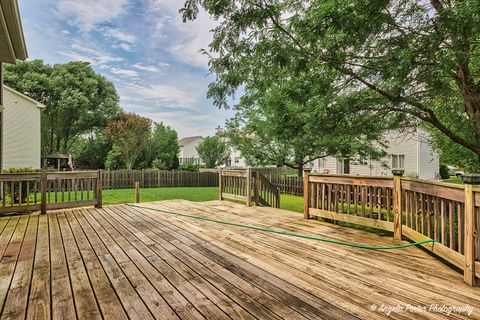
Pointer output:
x,y
157,194
455,180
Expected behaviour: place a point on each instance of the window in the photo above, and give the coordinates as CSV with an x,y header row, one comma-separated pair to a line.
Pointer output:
x,y
398,161
322,163
237,159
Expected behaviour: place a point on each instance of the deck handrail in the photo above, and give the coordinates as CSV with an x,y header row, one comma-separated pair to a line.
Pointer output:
x,y
412,208
42,191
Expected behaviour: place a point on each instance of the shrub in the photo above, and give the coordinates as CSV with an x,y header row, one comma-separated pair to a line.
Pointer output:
x,y
444,172
189,167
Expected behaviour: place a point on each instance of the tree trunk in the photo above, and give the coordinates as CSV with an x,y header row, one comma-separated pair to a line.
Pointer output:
x,y
300,169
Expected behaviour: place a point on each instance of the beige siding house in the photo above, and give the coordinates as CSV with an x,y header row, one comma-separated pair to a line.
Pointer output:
x,y
21,130
12,48
411,152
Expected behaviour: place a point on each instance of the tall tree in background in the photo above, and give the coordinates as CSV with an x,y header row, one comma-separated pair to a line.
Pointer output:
x,y
130,134
78,100
417,59
164,147
213,151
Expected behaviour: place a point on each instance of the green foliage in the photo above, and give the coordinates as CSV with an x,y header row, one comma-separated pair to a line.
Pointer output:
x,y
163,148
393,63
213,151
20,170
91,152
444,172
78,100
189,167
130,133
114,159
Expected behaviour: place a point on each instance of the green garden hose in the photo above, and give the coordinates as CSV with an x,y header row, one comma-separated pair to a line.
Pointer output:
x,y
354,245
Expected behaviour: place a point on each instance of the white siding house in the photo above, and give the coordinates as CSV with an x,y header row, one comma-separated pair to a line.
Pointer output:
x,y
21,130
189,154
188,150
411,152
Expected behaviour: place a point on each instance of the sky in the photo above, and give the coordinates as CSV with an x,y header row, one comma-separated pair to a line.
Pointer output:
x,y
142,46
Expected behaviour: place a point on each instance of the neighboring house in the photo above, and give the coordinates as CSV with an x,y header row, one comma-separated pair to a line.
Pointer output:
x,y
235,160
188,150
21,130
411,152
12,48
189,154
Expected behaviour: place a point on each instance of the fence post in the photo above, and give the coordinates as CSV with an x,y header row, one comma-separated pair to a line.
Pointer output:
x,y
306,194
256,188
137,192
249,187
99,189
220,184
43,191
397,203
470,232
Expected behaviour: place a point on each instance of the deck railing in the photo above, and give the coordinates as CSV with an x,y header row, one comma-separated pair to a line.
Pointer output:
x,y
248,185
415,209
44,191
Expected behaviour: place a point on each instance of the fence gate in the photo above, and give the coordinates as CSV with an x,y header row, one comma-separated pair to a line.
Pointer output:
x,y
248,185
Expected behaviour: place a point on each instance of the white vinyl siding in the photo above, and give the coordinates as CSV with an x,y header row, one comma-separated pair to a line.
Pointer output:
x,y
21,132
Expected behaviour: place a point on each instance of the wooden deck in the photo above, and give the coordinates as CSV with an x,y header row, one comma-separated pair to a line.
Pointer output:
x,y
124,262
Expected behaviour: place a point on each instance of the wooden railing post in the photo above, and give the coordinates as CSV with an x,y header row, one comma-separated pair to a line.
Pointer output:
x,y
43,191
306,194
99,200
137,192
470,232
249,187
256,188
220,184
397,203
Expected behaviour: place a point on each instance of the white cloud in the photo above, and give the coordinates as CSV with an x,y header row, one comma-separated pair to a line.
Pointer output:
x,y
124,72
87,14
168,94
189,38
90,55
117,34
65,31
125,46
149,68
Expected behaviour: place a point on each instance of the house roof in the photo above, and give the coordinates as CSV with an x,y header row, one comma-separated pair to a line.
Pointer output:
x,y
184,141
38,104
56,155
12,40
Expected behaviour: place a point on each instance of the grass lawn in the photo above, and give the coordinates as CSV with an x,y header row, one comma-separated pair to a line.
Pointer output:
x,y
287,202
157,194
455,180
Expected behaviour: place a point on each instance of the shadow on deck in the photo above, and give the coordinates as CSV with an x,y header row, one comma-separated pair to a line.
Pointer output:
x,y
124,262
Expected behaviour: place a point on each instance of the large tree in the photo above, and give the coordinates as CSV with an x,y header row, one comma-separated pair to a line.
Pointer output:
x,y
213,151
130,134
78,100
418,59
162,149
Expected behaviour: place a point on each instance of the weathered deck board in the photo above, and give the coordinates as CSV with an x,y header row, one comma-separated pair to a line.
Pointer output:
x,y
127,262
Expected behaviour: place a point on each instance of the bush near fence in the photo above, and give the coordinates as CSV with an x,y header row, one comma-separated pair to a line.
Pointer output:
x,y
125,179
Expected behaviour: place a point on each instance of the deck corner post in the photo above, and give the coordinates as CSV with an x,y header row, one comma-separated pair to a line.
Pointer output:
x,y
256,188
306,194
397,203
137,192
99,190
220,184
471,181
43,191
249,187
